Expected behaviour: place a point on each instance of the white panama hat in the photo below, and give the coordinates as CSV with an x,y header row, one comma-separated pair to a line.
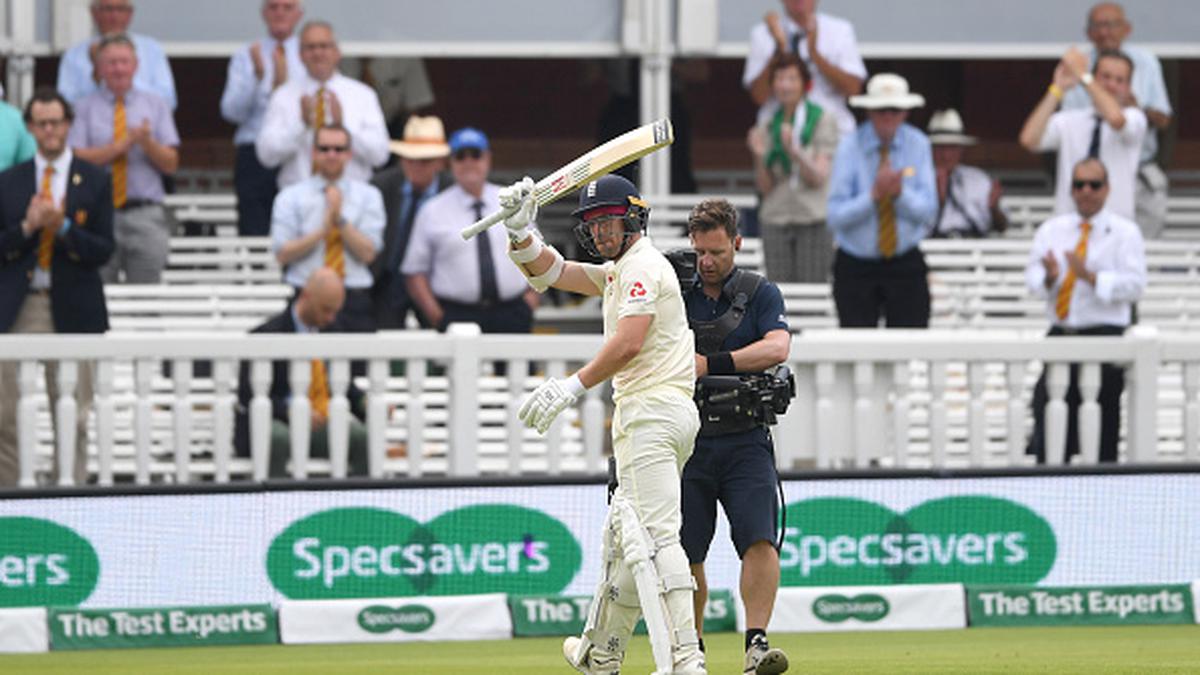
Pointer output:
x,y
946,128
424,138
887,90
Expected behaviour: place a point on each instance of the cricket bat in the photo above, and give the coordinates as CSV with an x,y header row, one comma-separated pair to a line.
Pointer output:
x,y
603,159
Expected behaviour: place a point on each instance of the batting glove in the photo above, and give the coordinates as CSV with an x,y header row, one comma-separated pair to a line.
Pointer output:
x,y
519,199
548,400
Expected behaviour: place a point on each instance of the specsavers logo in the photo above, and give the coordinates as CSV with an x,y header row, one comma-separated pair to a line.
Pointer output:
x,y
837,608
43,563
371,553
409,618
834,541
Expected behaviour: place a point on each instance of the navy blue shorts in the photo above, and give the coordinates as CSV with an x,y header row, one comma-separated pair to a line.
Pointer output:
x,y
737,470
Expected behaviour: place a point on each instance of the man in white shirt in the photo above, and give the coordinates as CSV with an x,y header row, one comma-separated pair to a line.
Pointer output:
x,y
451,280
1107,29
1111,130
1089,265
319,97
826,43
255,72
648,354
968,198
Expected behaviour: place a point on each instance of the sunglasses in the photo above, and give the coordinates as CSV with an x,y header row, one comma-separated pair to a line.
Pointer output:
x,y
1093,184
332,148
468,153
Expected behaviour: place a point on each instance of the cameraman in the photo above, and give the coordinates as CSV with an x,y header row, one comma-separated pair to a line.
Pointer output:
x,y
740,327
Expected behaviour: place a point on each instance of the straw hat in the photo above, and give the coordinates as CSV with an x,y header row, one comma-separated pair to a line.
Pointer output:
x,y
946,128
424,138
887,90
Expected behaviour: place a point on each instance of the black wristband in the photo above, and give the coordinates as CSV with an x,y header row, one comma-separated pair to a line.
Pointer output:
x,y
721,363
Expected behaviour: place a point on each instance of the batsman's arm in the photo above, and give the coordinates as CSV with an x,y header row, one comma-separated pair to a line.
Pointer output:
x,y
540,269
618,350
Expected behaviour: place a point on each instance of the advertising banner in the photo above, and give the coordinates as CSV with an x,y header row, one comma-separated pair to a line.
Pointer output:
x,y
541,615
843,608
162,627
23,631
469,617
403,541
1080,605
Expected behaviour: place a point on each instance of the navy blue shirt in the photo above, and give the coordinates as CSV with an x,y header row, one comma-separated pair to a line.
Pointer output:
x,y
764,312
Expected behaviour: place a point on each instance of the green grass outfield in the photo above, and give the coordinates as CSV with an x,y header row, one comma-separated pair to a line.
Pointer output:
x,y
1140,649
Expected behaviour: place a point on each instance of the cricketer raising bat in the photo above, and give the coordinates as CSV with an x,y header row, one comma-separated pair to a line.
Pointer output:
x,y
614,154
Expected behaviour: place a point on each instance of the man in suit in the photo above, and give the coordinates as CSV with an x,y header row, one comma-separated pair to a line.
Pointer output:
x,y
315,308
56,217
405,189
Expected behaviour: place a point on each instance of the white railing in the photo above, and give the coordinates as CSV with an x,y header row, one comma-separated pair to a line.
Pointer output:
x,y
865,398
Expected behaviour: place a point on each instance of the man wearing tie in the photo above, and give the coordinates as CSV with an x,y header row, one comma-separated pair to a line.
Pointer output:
x,y
453,280
132,132
1089,265
55,233
406,188
1112,129
318,97
881,198
331,220
255,72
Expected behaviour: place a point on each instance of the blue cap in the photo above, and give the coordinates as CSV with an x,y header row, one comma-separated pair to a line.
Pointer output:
x,y
468,137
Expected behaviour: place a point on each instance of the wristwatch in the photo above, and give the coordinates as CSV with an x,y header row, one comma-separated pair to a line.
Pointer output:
x,y
1086,79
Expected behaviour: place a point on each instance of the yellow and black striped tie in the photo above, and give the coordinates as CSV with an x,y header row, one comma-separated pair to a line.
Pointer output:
x,y
886,212
318,120
318,389
120,166
45,249
1062,304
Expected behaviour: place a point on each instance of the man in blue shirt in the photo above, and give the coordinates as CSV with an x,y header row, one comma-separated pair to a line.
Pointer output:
x,y
255,72
76,75
882,199
740,327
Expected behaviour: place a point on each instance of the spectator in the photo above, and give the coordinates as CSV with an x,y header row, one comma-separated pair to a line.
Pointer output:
x,y
314,310
57,230
319,97
16,143
452,280
334,220
825,43
79,75
882,197
132,132
793,145
968,198
1107,29
1089,265
405,189
255,72
401,83
1111,130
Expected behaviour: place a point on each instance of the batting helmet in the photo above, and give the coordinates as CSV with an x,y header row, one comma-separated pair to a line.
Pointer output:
x,y
611,196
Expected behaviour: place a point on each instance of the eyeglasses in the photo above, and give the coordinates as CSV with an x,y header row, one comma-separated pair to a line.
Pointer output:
x,y
314,46
1093,184
48,124
332,148
468,153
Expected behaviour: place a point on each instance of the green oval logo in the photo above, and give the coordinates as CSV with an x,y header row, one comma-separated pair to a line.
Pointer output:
x,y
409,618
840,541
373,553
835,608
44,563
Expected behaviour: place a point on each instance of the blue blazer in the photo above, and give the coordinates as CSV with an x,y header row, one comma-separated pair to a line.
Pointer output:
x,y
76,292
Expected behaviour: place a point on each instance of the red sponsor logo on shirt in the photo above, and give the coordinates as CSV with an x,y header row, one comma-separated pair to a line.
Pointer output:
x,y
638,290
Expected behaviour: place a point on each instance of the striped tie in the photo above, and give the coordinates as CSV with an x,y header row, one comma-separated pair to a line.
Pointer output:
x,y
120,166
335,254
1062,304
318,119
46,244
886,212
318,389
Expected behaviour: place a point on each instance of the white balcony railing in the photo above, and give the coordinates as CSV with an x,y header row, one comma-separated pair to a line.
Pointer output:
x,y
865,399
